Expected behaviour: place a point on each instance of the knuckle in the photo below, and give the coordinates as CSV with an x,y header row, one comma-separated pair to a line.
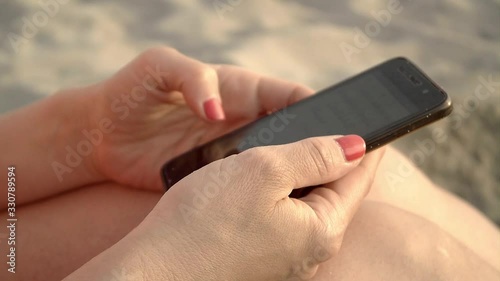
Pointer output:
x,y
204,73
321,156
262,160
333,238
329,239
154,52
151,56
298,91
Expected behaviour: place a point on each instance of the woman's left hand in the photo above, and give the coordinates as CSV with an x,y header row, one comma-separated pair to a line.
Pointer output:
x,y
164,103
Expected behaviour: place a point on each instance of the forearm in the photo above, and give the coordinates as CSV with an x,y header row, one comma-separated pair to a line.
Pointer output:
x,y
41,141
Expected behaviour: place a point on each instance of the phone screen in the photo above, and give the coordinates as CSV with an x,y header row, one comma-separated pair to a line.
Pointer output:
x,y
362,106
377,104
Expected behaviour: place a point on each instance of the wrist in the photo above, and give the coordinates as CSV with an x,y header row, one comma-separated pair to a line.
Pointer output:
x,y
185,256
167,256
70,136
137,256
41,142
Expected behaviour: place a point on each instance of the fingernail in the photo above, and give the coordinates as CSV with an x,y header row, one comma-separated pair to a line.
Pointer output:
x,y
213,110
353,146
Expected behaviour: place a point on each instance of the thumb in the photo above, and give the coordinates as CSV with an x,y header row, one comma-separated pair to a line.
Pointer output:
x,y
165,72
308,162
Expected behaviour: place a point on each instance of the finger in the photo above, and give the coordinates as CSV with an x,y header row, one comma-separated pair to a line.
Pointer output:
x,y
165,71
354,187
309,162
342,198
260,94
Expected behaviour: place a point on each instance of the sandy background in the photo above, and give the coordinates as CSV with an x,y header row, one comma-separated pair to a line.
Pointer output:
x,y
455,41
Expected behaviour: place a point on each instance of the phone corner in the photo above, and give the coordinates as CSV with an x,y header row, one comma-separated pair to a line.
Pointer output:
x,y
402,59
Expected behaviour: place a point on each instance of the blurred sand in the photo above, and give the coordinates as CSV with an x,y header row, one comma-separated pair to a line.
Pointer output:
x,y
455,42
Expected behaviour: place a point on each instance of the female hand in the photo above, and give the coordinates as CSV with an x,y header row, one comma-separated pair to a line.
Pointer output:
x,y
233,219
164,103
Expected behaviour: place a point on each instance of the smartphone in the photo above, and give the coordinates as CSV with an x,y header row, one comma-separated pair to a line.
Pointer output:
x,y
381,104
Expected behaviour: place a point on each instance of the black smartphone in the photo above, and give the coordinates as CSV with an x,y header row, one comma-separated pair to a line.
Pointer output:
x,y
380,105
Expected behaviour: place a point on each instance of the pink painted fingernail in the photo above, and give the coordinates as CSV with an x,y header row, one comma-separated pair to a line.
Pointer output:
x,y
213,110
353,146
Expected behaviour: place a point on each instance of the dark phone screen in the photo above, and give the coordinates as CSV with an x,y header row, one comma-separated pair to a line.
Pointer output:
x,y
362,106
379,101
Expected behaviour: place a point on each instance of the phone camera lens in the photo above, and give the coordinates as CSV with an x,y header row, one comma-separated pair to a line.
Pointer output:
x,y
415,81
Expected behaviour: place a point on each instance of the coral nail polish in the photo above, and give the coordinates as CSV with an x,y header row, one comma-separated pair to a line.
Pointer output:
x,y
213,110
354,147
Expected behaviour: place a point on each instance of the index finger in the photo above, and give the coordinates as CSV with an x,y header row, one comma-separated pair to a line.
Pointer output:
x,y
164,71
247,94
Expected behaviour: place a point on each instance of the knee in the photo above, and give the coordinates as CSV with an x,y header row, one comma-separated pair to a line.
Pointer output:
x,y
385,241
392,231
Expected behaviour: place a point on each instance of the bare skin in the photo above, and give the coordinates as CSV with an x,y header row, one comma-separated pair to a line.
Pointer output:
x,y
418,195
99,209
96,217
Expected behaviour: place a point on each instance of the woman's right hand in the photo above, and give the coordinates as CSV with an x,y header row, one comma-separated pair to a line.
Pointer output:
x,y
234,220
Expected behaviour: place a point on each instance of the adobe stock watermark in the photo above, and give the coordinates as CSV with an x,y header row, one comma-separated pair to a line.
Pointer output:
x,y
31,25
266,134
363,37
221,7
485,89
121,108
202,195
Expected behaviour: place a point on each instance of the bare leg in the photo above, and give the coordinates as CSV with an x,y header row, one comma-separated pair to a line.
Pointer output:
x,y
58,235
399,184
388,243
